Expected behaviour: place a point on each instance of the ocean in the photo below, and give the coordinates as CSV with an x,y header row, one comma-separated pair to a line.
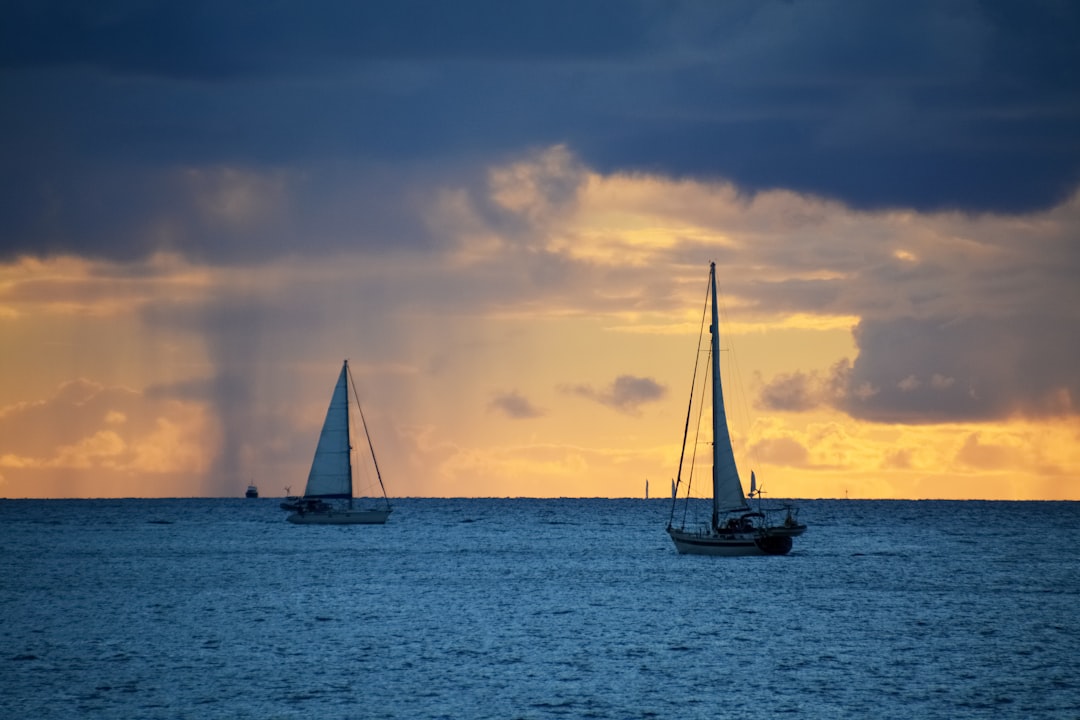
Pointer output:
x,y
526,608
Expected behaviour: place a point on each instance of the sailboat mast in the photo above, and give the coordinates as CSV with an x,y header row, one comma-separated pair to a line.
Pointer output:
x,y
718,419
348,437
727,489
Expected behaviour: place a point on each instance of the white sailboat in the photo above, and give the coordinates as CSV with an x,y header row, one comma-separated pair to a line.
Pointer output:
x,y
328,497
734,527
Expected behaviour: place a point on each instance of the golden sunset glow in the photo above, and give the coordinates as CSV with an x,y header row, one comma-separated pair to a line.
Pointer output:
x,y
491,366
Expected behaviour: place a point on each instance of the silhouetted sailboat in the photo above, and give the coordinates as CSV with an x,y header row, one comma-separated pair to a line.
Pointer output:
x,y
734,527
328,497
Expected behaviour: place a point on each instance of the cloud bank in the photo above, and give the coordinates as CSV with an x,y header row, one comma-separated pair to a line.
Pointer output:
x,y
247,131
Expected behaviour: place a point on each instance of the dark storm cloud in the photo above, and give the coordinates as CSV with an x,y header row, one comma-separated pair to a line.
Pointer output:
x,y
927,105
206,40
963,105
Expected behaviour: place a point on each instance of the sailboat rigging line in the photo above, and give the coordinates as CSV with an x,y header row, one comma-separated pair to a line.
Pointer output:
x,y
690,407
697,442
367,435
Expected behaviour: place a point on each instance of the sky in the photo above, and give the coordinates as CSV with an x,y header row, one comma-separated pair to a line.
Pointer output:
x,y
503,215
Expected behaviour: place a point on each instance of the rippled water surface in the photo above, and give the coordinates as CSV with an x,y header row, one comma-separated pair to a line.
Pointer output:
x,y
535,609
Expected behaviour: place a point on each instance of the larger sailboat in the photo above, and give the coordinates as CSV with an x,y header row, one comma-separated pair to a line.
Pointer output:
x,y
734,528
328,497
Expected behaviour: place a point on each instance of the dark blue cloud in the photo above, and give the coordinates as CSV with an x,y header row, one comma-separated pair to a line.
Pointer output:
x,y
968,105
204,39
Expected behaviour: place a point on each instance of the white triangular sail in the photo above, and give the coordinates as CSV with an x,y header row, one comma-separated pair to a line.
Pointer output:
x,y
331,468
727,490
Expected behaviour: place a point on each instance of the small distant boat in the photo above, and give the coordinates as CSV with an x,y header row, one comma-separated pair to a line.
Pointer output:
x,y
252,492
328,497
735,528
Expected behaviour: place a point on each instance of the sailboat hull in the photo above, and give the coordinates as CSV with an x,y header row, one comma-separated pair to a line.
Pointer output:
x,y
340,517
775,541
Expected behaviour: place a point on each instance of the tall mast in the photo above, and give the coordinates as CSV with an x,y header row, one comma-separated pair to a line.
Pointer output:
x,y
348,435
727,489
718,421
